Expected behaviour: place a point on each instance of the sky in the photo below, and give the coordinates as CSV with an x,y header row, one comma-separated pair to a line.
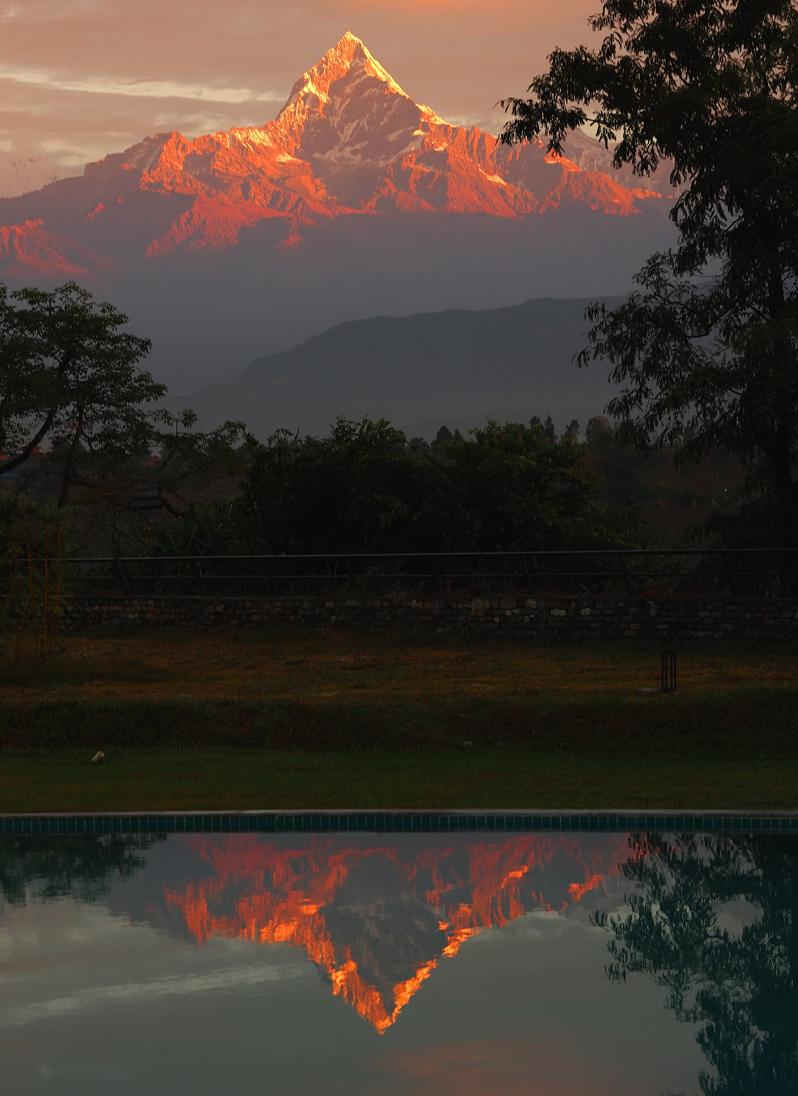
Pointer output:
x,y
82,78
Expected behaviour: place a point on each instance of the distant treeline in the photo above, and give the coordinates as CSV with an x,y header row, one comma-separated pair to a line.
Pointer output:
x,y
82,433
366,488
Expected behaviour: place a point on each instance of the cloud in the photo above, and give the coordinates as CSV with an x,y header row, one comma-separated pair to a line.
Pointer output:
x,y
134,992
147,89
509,1067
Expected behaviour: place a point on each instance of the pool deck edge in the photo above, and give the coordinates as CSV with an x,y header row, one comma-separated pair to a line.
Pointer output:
x,y
400,821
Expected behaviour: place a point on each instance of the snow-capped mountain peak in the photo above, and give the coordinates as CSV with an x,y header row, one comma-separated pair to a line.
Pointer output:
x,y
350,53
349,118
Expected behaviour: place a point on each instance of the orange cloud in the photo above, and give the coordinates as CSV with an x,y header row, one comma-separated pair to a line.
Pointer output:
x,y
517,1067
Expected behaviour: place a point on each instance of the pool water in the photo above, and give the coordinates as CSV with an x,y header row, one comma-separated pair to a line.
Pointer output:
x,y
430,964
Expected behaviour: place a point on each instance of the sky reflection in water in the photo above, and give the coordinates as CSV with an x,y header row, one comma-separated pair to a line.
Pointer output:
x,y
431,964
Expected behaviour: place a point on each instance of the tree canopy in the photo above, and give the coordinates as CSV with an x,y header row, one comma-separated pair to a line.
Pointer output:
x,y
44,868
707,347
69,374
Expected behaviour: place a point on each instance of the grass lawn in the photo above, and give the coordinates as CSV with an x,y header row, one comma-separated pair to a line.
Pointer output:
x,y
244,721
190,779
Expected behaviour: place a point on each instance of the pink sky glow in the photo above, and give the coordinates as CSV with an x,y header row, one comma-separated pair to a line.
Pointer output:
x,y
81,78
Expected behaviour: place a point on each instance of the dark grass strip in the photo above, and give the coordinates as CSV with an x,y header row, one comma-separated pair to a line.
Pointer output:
x,y
235,779
751,721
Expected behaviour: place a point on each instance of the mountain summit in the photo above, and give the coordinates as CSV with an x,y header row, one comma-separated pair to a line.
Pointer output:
x,y
349,61
378,921
350,119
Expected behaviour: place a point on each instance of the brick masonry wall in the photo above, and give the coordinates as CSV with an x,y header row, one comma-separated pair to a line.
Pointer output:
x,y
558,618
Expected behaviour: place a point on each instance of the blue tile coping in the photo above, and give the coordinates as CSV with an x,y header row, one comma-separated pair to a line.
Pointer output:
x,y
402,821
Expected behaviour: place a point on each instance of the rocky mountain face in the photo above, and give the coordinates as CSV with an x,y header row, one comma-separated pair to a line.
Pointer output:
x,y
348,141
355,200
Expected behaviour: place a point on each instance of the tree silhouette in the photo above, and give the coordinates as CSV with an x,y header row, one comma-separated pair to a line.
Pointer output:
x,y
706,351
740,986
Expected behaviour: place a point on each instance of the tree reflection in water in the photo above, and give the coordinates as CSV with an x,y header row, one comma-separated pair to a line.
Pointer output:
x,y
715,921
49,867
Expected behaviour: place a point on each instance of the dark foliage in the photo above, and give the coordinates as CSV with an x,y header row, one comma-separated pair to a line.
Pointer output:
x,y
364,489
70,380
42,868
697,501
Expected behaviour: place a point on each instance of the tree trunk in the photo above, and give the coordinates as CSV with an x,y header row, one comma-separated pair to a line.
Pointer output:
x,y
785,492
781,450
69,469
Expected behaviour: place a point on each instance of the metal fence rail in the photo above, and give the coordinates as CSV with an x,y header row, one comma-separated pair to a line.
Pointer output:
x,y
680,572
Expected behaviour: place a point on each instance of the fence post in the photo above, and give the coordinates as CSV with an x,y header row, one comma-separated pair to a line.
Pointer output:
x,y
351,573
668,672
122,575
732,576
526,572
622,562
272,580
434,566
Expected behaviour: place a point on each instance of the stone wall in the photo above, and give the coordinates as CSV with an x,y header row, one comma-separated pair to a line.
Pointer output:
x,y
557,618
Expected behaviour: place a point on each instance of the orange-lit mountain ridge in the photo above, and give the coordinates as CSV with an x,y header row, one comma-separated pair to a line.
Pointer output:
x,y
348,141
375,918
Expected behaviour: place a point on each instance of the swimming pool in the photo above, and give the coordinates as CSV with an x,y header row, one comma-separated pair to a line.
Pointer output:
x,y
495,953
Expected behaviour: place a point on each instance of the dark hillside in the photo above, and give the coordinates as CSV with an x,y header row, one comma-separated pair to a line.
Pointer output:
x,y
458,367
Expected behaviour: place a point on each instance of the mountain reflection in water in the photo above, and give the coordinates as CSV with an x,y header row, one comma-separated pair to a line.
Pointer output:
x,y
378,919
712,919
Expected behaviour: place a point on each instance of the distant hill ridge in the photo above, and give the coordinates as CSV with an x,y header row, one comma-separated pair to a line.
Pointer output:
x,y
420,371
